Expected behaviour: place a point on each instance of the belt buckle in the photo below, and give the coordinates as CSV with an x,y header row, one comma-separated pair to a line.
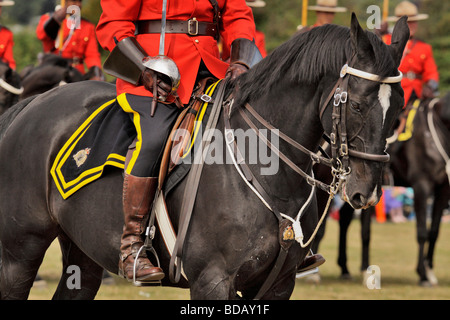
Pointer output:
x,y
410,75
193,23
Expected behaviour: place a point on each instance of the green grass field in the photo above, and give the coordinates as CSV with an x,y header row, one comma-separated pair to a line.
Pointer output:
x,y
393,249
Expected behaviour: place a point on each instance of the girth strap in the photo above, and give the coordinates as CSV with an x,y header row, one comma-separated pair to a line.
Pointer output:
x,y
193,181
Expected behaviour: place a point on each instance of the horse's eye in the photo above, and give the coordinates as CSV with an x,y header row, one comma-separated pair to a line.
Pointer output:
x,y
355,106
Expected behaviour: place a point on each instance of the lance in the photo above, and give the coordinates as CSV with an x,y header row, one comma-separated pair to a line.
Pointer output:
x,y
385,9
61,29
305,13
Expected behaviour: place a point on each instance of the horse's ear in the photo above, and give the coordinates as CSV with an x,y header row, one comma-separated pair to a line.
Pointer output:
x,y
400,37
360,42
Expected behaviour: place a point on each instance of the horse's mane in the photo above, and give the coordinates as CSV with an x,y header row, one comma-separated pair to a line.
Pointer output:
x,y
309,56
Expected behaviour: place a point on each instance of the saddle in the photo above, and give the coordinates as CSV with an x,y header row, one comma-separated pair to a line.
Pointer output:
x,y
406,127
182,136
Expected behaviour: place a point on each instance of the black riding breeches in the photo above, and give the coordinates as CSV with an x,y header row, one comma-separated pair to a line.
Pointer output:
x,y
152,132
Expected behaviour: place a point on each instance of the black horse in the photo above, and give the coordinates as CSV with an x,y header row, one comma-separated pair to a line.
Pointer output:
x,y
10,87
52,71
233,239
422,162
419,163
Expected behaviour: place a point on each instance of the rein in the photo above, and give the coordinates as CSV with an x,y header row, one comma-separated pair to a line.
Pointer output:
x,y
339,163
436,139
5,85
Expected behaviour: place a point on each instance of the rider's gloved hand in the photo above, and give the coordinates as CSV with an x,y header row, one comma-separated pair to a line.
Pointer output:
x,y
162,82
235,69
430,89
60,14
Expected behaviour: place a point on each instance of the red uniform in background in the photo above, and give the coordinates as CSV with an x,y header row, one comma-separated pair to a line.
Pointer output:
x,y
117,22
80,45
417,65
260,41
6,47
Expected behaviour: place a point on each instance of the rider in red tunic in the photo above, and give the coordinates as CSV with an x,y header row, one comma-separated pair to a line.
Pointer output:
x,y
79,42
6,47
420,74
6,40
117,23
132,28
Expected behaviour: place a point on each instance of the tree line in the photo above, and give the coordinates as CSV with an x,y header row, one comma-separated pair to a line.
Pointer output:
x,y
278,20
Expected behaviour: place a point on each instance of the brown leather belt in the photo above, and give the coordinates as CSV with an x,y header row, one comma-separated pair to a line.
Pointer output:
x,y
411,75
191,27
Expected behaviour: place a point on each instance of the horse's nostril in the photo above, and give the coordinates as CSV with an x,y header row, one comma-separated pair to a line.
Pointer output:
x,y
358,201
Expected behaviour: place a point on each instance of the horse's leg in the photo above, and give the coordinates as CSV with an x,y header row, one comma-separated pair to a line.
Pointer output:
x,y
22,256
345,218
81,277
421,192
440,203
366,217
213,283
322,198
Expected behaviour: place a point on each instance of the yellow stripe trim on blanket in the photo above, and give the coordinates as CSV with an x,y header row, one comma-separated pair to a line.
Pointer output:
x,y
199,118
67,150
123,102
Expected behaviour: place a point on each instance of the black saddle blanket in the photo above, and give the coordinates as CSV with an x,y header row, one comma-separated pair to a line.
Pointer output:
x,y
102,140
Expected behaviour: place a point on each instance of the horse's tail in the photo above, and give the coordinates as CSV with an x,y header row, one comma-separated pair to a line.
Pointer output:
x,y
8,117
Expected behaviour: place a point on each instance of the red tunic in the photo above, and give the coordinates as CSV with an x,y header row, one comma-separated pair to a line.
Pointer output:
x,y
417,65
118,17
82,45
6,47
260,41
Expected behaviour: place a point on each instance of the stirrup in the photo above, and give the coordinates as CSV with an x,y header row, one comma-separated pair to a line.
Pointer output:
x,y
303,274
149,233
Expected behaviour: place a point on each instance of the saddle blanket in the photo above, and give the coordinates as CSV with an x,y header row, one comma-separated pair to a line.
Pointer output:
x,y
102,140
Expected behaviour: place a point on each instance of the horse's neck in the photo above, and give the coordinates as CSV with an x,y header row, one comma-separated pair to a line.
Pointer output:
x,y
293,111
296,116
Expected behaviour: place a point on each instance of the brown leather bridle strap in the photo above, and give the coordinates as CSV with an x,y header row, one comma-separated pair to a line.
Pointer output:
x,y
314,156
327,101
311,181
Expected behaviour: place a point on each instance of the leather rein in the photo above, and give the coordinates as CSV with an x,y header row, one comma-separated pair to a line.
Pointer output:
x,y
339,163
338,137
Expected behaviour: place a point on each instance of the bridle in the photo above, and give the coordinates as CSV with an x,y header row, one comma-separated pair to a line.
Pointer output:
x,y
338,139
339,161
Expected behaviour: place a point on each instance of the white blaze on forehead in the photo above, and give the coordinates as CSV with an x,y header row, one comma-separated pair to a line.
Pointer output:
x,y
384,96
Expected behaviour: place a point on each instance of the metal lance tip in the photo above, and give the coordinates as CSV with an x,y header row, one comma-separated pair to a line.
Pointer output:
x,y
155,95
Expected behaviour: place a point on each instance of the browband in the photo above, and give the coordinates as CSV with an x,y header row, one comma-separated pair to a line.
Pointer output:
x,y
370,76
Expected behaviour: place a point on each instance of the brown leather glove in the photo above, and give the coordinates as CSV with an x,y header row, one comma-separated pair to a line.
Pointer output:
x,y
60,14
163,88
429,89
234,70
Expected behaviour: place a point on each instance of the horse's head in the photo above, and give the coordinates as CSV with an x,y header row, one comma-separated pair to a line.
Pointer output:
x,y
10,87
366,104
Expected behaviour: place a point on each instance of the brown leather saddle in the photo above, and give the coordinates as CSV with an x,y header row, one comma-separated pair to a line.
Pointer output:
x,y
180,137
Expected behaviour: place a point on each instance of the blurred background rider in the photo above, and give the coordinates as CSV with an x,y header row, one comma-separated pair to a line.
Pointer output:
x,y
6,40
71,37
420,74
